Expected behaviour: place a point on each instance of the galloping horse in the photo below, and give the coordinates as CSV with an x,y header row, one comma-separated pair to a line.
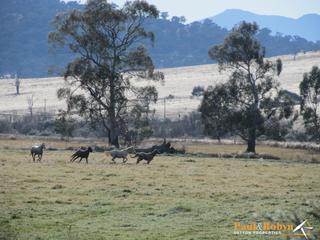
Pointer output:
x,y
120,154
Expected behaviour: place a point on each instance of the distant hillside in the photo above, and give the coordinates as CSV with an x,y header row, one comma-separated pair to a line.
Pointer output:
x,y
25,25
306,26
179,83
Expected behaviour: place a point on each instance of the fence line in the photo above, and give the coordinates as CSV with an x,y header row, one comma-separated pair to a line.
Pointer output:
x,y
162,107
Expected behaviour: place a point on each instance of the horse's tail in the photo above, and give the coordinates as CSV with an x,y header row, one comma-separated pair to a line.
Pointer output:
x,y
107,153
74,155
136,155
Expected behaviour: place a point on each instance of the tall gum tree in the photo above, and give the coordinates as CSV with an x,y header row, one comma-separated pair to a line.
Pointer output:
x,y
310,104
251,96
108,42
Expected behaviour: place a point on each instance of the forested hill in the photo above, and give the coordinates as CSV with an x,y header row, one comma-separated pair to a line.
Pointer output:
x,y
25,25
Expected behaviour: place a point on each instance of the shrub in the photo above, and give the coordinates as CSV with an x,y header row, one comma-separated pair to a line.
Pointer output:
x,y
198,91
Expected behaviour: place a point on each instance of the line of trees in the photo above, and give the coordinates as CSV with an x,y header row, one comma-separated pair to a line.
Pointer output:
x,y
108,42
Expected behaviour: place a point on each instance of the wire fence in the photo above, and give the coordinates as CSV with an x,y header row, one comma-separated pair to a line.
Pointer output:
x,y
171,107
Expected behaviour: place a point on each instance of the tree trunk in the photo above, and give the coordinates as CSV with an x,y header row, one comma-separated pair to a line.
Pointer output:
x,y
109,137
114,129
251,144
115,141
113,134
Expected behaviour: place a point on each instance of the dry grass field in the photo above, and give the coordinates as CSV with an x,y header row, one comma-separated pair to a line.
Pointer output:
x,y
175,197
179,82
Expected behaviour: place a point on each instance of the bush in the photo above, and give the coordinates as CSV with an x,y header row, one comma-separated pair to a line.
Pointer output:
x,y
295,135
5,126
198,91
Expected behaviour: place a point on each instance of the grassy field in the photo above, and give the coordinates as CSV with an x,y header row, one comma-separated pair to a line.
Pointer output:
x,y
175,197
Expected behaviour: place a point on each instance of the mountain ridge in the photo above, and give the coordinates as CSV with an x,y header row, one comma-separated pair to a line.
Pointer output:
x,y
304,26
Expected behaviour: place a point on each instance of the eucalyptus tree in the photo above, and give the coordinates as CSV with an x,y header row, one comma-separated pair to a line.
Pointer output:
x,y
310,98
252,95
108,43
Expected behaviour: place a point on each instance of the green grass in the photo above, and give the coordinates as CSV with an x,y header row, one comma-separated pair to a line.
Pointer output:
x,y
172,198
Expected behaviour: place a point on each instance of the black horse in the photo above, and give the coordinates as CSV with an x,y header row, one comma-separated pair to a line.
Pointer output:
x,y
81,153
146,156
37,150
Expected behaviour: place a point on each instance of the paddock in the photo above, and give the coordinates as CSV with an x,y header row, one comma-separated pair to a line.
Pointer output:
x,y
175,197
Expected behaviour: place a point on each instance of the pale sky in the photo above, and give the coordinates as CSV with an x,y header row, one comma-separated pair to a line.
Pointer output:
x,y
199,9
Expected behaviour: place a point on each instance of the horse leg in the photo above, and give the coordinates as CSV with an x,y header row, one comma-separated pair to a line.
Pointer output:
x,y
113,159
138,160
33,157
74,158
87,160
40,157
124,159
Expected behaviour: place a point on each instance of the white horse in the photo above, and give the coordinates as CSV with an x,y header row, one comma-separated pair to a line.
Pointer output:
x,y
120,154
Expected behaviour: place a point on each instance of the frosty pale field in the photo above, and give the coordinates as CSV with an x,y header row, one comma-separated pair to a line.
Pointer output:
x,y
179,82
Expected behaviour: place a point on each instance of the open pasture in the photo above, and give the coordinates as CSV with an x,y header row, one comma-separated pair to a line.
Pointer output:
x,y
179,83
175,197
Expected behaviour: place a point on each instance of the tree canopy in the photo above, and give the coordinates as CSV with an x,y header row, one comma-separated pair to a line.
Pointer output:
x,y
310,95
108,43
251,96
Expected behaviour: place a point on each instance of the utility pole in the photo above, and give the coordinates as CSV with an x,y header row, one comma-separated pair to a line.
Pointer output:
x,y
17,84
164,119
45,105
164,109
